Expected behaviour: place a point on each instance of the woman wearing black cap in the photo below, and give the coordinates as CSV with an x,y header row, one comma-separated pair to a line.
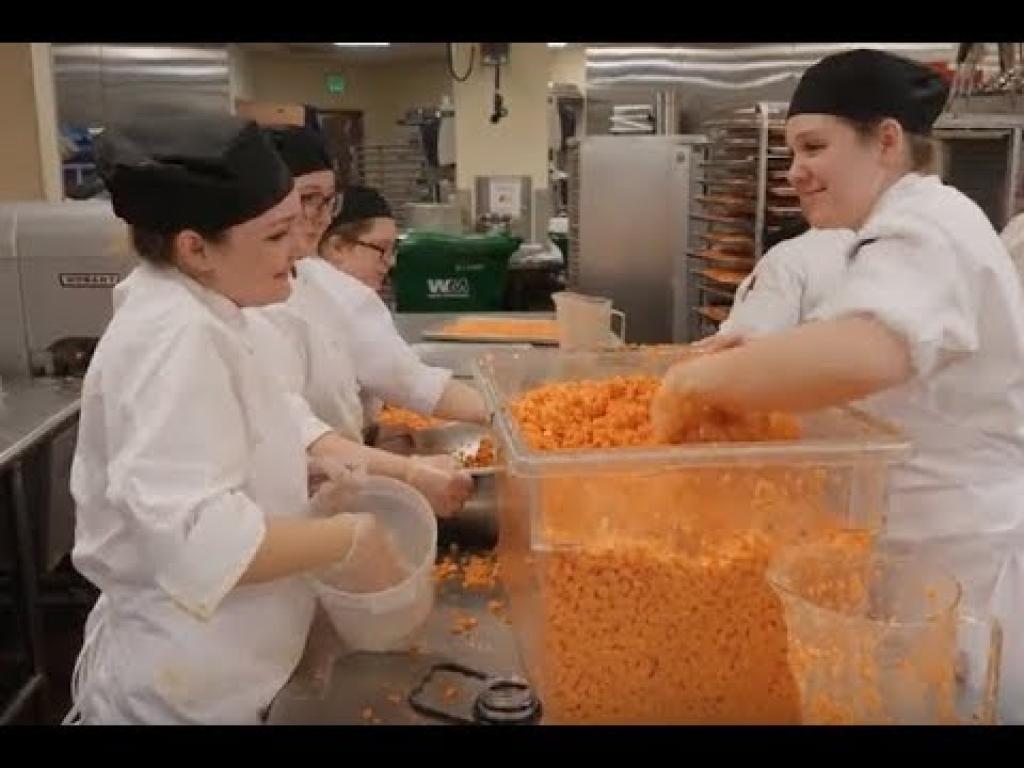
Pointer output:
x,y
304,152
927,326
307,342
189,478
360,244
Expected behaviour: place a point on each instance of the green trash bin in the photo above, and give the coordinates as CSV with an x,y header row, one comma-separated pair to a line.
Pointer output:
x,y
438,272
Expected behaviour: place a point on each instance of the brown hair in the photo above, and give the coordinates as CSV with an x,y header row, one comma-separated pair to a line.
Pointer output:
x,y
158,247
348,232
922,149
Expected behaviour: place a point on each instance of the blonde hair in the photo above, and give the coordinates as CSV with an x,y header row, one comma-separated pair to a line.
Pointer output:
x,y
922,151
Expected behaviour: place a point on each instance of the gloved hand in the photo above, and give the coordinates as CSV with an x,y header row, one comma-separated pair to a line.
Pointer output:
x,y
347,475
676,407
373,562
442,480
333,483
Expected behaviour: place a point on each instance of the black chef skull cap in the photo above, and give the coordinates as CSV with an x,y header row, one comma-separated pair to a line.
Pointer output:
x,y
866,85
359,203
200,171
302,149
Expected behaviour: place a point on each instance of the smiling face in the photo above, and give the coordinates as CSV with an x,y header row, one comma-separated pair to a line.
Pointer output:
x,y
840,172
250,264
365,250
318,195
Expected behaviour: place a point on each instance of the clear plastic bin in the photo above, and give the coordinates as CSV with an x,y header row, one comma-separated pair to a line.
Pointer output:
x,y
881,639
636,576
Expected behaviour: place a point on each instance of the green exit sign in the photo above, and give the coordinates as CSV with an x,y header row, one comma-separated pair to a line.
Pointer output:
x,y
335,84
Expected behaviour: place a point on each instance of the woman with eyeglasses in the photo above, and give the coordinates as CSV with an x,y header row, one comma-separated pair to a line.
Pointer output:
x,y
362,240
315,182
359,247
307,343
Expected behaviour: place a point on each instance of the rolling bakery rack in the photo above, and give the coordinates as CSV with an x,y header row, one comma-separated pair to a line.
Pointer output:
x,y
743,200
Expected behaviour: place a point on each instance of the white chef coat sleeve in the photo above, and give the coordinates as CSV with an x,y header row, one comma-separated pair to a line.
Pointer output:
x,y
387,367
768,300
310,426
179,452
1013,239
908,276
283,341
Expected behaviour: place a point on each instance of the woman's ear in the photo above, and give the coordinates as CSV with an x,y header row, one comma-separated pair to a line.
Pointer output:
x,y
893,141
330,248
191,254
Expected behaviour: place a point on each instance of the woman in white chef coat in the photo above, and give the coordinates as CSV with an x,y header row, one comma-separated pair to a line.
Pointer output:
x,y
306,343
192,517
926,328
358,251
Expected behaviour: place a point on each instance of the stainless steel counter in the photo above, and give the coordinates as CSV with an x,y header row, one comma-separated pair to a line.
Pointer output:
x,y
30,409
331,687
36,503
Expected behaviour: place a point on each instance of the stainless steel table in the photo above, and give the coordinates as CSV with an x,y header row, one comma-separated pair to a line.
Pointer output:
x,y
332,687
31,412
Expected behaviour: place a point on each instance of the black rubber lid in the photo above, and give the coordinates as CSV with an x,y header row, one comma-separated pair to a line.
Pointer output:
x,y
507,701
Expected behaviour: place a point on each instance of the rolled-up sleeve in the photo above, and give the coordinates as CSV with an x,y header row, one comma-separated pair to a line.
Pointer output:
x,y
179,454
911,279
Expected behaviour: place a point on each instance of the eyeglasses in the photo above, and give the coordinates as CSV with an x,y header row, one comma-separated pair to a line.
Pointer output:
x,y
314,204
386,254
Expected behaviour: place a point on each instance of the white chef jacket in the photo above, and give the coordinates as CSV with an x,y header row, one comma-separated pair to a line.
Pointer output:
x,y
789,282
185,449
929,265
385,366
1013,239
311,358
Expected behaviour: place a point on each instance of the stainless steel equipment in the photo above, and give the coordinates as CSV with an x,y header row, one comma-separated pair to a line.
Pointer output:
x,y
397,170
505,202
628,227
973,82
38,430
708,78
632,119
745,201
332,687
58,265
98,84
434,217
982,155
38,420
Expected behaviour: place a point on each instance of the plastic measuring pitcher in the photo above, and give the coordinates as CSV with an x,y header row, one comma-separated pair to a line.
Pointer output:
x,y
584,321
878,639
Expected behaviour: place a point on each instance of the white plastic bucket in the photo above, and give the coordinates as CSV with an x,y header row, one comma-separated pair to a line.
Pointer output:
x,y
380,621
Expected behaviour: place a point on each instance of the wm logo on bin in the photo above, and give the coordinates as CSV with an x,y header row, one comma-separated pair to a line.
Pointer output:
x,y
448,288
